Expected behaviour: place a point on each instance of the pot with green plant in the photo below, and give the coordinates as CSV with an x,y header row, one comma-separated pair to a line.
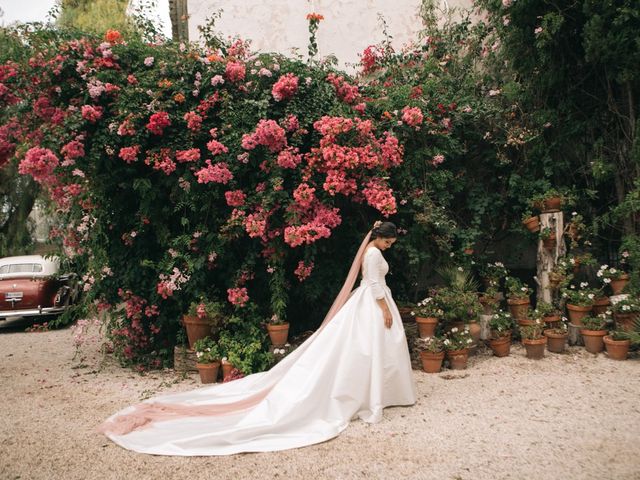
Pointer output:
x,y
625,312
552,201
431,353
548,237
456,344
427,313
207,359
615,277
551,314
617,344
531,221
492,274
501,325
203,319
579,302
557,337
244,345
533,340
490,299
278,330
593,331
517,297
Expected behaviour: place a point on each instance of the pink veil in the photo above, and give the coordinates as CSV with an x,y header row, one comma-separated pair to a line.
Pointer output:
x,y
144,414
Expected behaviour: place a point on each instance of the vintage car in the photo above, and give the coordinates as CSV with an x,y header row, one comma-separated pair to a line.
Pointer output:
x,y
31,285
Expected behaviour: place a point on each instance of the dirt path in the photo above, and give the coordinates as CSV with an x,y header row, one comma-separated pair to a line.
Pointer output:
x,y
569,416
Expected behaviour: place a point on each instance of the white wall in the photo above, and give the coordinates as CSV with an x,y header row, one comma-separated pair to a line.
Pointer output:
x,y
349,26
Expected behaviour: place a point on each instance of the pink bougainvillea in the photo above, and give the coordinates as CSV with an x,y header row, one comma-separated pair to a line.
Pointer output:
x,y
72,150
238,296
289,158
129,154
235,71
218,173
380,197
39,163
191,155
216,148
303,270
235,198
346,92
194,121
285,88
268,134
91,114
412,116
158,122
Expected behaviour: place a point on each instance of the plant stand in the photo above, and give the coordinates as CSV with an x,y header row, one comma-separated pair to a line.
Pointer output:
x,y
184,359
547,259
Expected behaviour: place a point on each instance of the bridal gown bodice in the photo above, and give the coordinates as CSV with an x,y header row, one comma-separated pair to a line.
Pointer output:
x,y
352,367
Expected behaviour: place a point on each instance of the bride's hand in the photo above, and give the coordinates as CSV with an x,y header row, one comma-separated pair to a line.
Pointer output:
x,y
388,319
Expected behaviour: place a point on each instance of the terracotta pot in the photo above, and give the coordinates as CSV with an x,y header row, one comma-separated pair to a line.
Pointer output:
x,y
278,334
577,313
226,369
197,328
551,204
489,304
532,224
600,305
501,346
474,331
618,285
535,347
549,243
625,321
616,349
525,322
518,307
431,362
426,326
593,342
458,358
468,251
556,342
551,319
208,371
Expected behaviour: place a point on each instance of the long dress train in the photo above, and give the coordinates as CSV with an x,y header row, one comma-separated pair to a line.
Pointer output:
x,y
352,367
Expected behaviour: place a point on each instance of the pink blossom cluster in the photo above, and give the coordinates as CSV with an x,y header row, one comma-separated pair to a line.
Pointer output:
x,y
170,283
380,197
347,93
437,160
129,154
238,296
235,198
91,114
289,158
158,122
303,270
72,150
337,181
256,224
216,148
191,155
235,71
412,116
285,88
194,121
290,123
304,195
218,173
161,161
126,128
268,134
308,233
40,164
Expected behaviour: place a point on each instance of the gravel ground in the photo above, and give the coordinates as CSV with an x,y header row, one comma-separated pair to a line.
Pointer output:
x,y
569,416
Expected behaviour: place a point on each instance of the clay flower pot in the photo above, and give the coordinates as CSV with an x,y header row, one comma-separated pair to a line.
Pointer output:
x,y
551,204
501,346
532,224
458,358
426,326
549,243
431,362
226,369
618,284
593,340
556,342
278,334
551,320
208,371
518,307
197,328
535,347
616,349
600,305
624,321
577,313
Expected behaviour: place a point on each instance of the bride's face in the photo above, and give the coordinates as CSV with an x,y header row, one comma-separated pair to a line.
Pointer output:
x,y
384,243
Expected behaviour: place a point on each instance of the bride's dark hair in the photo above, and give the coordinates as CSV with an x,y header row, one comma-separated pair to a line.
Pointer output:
x,y
383,230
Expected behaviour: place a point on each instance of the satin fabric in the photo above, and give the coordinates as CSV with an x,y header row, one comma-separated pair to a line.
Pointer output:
x,y
353,367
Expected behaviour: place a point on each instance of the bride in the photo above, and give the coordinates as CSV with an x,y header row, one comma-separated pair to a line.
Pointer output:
x,y
353,366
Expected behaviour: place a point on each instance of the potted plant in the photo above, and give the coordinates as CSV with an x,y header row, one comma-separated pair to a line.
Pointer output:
x,y
579,302
207,359
278,330
517,297
427,313
531,221
456,343
557,336
489,299
617,344
492,273
625,311
601,302
431,353
617,278
548,237
595,328
533,340
551,315
552,201
203,319
501,325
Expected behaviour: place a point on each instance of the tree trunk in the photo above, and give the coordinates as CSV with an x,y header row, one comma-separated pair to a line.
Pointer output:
x,y
547,259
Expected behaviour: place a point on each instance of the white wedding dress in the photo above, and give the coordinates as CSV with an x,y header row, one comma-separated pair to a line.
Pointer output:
x,y
352,367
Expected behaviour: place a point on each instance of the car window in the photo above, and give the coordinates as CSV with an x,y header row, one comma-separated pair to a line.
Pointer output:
x,y
21,268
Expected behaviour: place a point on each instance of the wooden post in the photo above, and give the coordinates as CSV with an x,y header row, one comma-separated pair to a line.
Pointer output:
x,y
547,259
485,331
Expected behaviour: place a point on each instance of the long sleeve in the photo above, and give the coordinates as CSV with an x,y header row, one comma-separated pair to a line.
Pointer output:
x,y
373,272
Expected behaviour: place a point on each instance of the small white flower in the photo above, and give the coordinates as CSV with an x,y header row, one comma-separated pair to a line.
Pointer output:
x,y
454,329
607,280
